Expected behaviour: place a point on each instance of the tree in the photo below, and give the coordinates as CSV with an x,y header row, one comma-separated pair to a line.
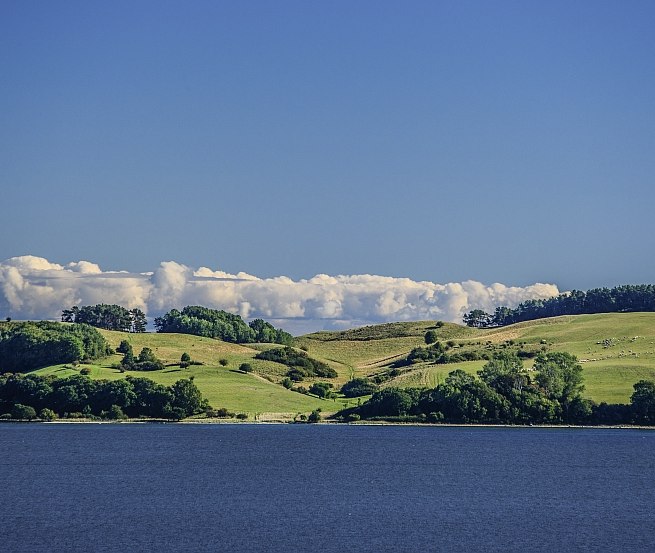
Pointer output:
x,y
187,398
314,417
642,402
560,376
478,319
504,373
245,367
116,413
358,387
23,412
139,320
390,402
124,347
430,337
185,360
47,414
321,389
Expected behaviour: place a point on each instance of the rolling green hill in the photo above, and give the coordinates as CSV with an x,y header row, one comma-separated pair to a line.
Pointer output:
x,y
615,350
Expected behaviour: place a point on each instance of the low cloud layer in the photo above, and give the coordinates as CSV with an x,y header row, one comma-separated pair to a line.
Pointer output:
x,y
34,288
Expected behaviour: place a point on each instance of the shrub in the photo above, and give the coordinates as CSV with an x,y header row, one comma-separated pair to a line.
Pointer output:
x,y
116,413
320,389
47,414
85,371
287,383
124,347
23,412
358,387
242,416
314,417
223,413
430,337
245,368
223,362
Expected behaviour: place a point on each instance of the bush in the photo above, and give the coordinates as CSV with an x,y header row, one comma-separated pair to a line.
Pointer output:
x,y
314,417
223,413
223,362
320,389
287,383
23,412
124,347
47,414
245,368
358,387
242,416
85,371
116,413
430,337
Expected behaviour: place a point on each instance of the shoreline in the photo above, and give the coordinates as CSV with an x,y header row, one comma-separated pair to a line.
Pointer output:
x,y
334,423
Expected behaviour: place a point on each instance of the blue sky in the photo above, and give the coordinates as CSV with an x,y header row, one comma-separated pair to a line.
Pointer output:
x,y
503,142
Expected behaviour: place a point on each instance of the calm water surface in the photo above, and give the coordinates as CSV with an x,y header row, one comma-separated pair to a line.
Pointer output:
x,y
292,488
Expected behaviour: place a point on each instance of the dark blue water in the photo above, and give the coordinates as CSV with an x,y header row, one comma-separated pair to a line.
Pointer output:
x,y
292,488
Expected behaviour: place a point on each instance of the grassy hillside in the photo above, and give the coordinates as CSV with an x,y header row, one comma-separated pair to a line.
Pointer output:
x,y
224,386
616,350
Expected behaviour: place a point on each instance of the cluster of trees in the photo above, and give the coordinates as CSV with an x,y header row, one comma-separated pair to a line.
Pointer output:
x,y
627,298
358,387
109,317
299,363
146,360
225,326
506,393
76,396
29,345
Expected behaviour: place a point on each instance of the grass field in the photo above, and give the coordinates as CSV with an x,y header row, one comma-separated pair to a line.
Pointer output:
x,y
615,350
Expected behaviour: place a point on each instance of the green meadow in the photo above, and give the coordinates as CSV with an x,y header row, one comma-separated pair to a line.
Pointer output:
x,y
615,350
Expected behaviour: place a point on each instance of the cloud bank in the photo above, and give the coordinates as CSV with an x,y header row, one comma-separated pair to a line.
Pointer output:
x,y
34,288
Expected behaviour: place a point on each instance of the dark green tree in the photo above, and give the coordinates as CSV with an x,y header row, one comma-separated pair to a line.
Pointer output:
x,y
358,387
139,320
642,402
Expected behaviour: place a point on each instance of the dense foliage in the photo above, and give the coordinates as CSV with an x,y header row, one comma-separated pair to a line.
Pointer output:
x,y
25,346
77,396
146,361
506,393
109,317
214,323
358,387
299,363
627,298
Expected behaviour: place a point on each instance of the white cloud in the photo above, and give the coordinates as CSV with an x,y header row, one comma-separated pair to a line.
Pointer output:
x,y
32,287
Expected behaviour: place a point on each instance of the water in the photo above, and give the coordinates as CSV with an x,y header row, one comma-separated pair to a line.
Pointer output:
x,y
292,488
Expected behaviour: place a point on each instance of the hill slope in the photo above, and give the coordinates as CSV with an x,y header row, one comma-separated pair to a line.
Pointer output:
x,y
616,350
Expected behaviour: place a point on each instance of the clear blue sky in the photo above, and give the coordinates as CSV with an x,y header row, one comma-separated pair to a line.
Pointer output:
x,y
442,141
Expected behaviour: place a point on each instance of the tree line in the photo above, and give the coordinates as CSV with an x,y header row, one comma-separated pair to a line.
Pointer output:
x,y
47,397
505,393
213,323
29,345
627,298
109,317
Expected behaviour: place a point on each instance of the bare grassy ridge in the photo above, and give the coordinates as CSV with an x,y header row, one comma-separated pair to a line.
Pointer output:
x,y
616,350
